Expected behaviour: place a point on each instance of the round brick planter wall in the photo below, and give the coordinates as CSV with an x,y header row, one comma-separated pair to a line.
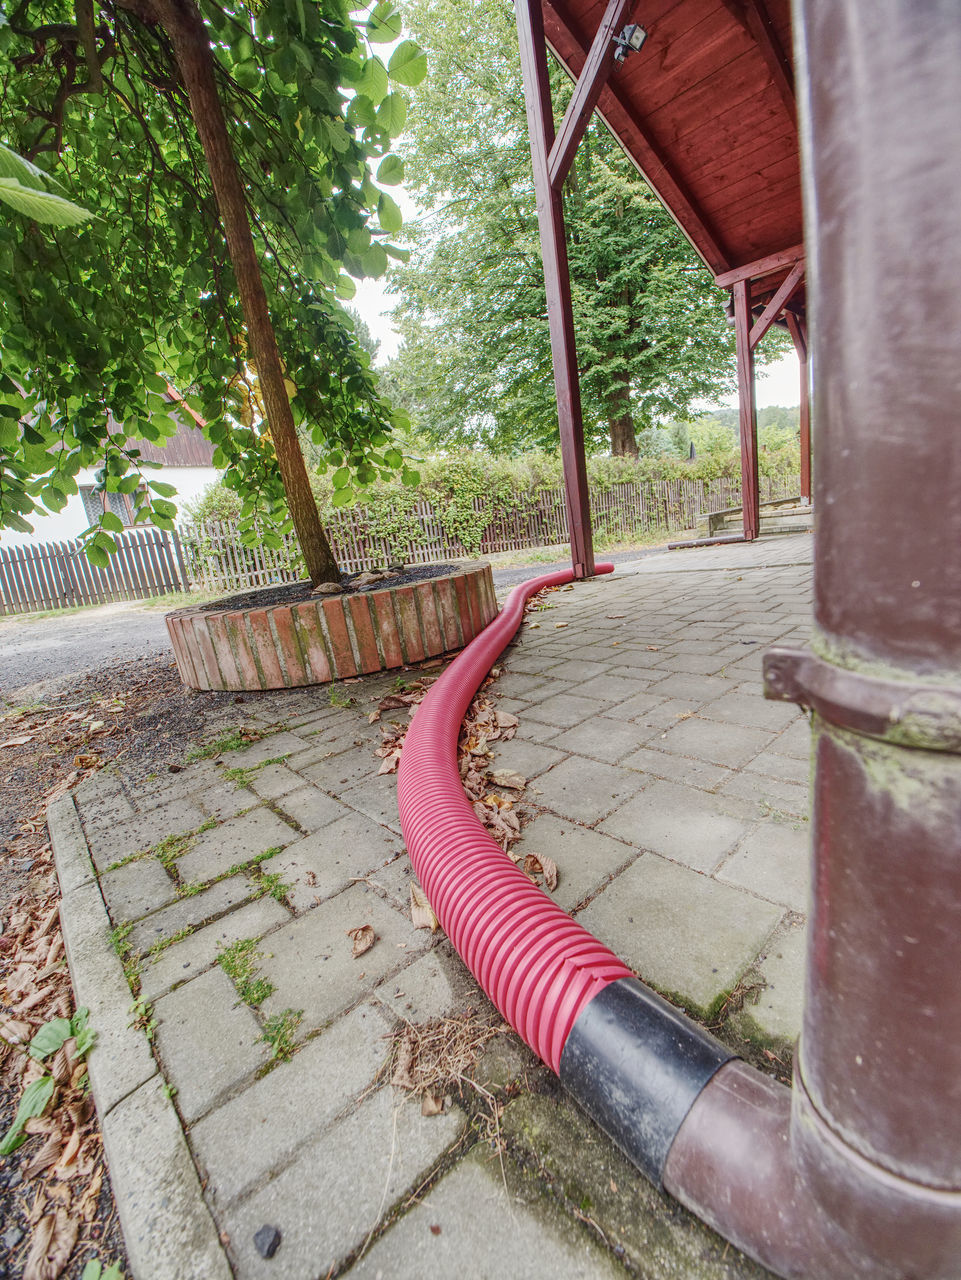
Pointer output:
x,y
331,637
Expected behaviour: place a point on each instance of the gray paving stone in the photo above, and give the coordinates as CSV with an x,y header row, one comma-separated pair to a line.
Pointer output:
x,y
324,863
614,688
184,960
645,1226
578,669
242,1142
518,685
192,910
436,985
604,738
144,831
168,1231
796,740
310,808
677,822
724,744
682,932
701,664
70,849
274,780
467,1226
233,843
661,764
584,789
650,712
775,862
693,688
225,800
526,758
120,1060
310,961
585,859
565,710
209,1041
322,1215
335,773
769,794
376,798
751,710
275,744
780,1006
133,890
529,730
787,768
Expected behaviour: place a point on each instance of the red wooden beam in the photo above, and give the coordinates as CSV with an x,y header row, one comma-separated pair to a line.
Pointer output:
x,y
557,282
792,282
754,17
626,125
587,90
798,333
760,267
747,410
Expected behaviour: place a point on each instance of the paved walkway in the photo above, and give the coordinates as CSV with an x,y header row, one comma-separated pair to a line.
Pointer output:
x,y
673,800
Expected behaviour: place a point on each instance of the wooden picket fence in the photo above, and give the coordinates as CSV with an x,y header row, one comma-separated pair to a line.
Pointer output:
x,y
210,556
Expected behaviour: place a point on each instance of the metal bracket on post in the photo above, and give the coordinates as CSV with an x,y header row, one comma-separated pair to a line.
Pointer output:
x,y
909,713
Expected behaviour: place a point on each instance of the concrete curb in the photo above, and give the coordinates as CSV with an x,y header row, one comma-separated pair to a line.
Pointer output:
x,y
167,1227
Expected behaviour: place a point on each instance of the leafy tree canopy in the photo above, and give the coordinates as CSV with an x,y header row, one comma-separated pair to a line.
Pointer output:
x,y
121,101
475,365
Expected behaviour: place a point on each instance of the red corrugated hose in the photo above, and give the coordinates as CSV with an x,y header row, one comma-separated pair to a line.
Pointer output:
x,y
538,966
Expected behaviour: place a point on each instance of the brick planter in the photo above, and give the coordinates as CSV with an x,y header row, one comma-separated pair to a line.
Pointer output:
x,y
330,637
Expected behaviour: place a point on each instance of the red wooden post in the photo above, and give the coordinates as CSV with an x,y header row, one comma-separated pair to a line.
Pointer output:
x,y
750,497
540,121
801,347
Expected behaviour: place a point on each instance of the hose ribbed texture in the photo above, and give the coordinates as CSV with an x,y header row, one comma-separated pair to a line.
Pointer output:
x,y
538,966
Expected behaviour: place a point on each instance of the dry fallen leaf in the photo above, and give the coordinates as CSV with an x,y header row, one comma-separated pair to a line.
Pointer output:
x,y
51,1247
363,938
615,615
421,912
538,864
18,741
654,648
507,778
431,1105
560,624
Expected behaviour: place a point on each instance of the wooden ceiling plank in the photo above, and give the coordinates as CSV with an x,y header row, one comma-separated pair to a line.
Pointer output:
x,y
754,17
774,308
641,148
760,267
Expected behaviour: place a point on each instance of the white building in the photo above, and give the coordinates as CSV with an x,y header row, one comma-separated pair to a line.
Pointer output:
x,y
186,463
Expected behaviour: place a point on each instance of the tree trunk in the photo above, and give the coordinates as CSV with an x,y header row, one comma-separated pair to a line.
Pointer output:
x,y
182,21
620,420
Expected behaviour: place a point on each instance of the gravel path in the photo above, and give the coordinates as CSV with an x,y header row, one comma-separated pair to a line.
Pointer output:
x,y
40,654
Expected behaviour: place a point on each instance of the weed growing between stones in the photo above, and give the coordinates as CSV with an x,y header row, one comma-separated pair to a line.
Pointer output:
x,y
242,776
143,1018
279,1031
340,699
230,740
239,962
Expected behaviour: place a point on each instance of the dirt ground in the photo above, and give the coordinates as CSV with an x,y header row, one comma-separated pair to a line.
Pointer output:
x,y
56,1209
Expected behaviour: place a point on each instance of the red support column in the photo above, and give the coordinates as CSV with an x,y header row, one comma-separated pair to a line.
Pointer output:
x,y
801,347
540,121
750,489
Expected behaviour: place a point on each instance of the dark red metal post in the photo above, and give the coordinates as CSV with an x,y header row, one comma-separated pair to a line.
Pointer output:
x,y
750,489
799,335
540,121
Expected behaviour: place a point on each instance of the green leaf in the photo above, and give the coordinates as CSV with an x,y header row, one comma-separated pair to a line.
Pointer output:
x,y
340,478
160,486
390,171
384,24
41,206
85,1040
374,261
389,214
111,523
22,170
49,1038
345,287
35,1098
392,114
361,113
9,433
342,497
372,81
80,1019
248,74
408,64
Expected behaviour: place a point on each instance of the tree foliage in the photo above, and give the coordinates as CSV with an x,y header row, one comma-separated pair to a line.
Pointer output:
x,y
120,103
475,364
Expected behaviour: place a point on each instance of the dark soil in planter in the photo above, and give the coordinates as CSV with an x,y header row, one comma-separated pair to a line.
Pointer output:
x,y
296,592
